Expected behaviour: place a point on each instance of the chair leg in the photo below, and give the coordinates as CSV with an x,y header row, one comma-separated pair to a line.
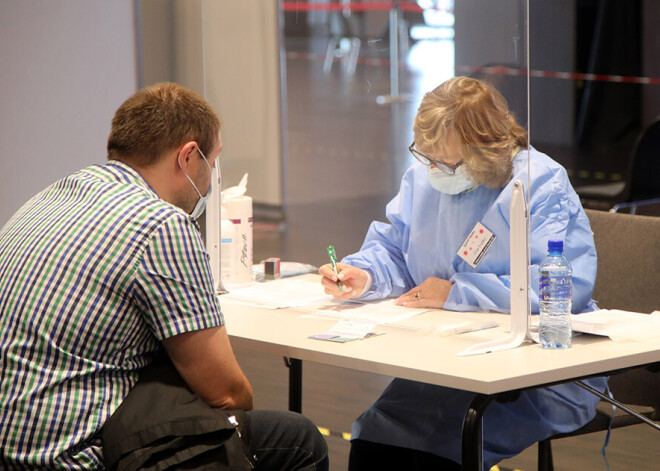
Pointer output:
x,y
330,55
545,456
353,56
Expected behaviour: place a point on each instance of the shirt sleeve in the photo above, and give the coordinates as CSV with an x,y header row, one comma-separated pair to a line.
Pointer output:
x,y
173,283
555,213
479,292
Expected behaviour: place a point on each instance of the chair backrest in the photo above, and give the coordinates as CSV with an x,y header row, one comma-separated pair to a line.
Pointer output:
x,y
644,182
628,248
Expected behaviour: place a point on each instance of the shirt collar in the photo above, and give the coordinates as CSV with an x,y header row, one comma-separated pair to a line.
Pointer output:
x,y
132,175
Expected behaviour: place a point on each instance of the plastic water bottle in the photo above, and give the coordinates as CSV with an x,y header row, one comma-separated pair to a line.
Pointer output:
x,y
555,291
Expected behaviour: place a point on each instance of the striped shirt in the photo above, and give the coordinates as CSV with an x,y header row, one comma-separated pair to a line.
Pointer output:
x,y
94,271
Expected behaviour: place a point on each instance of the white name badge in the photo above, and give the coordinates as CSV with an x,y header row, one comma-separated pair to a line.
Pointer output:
x,y
476,245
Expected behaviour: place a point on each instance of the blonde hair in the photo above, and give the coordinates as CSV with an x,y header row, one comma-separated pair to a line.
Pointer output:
x,y
477,118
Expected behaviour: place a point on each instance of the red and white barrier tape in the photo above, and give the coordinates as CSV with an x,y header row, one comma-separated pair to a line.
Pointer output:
x,y
498,70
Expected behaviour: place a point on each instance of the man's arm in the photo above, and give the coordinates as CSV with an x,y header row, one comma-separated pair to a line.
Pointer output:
x,y
206,362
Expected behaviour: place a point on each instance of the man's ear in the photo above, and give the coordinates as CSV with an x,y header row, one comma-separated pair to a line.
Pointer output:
x,y
185,154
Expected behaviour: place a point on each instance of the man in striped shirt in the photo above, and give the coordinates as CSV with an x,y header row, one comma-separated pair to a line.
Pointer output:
x,y
101,271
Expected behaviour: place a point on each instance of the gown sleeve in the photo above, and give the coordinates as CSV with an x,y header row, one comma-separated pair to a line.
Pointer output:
x,y
383,251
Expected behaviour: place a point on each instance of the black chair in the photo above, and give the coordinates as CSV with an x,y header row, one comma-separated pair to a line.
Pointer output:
x,y
641,185
628,272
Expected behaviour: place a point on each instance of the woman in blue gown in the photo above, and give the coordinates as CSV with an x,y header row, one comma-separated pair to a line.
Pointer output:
x,y
469,150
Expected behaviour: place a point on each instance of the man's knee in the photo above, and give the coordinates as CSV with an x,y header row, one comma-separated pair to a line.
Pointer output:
x,y
288,440
287,429
309,429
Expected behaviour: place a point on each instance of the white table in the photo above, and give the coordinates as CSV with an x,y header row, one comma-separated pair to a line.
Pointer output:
x,y
411,354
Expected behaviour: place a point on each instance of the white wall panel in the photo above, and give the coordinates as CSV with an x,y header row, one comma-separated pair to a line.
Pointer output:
x,y
66,66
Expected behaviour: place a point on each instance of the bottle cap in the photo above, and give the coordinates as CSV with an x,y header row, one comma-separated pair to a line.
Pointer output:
x,y
555,246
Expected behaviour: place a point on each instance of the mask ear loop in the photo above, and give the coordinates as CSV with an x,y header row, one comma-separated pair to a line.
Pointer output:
x,y
178,159
206,161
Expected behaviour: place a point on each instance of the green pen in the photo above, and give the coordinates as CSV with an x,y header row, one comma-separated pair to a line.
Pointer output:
x,y
333,260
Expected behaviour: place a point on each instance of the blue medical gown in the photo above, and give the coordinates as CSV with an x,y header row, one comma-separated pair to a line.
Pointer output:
x,y
426,228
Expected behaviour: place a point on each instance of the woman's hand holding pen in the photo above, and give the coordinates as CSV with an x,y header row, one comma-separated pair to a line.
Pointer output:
x,y
352,279
433,292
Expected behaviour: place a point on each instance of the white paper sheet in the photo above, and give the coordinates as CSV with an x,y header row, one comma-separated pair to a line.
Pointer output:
x,y
380,312
278,294
346,330
618,325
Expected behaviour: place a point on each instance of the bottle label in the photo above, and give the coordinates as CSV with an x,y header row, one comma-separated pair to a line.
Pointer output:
x,y
554,287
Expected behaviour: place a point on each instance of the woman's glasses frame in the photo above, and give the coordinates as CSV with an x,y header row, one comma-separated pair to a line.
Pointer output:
x,y
426,160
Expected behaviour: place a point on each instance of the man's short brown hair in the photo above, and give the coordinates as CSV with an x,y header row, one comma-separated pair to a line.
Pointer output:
x,y
157,120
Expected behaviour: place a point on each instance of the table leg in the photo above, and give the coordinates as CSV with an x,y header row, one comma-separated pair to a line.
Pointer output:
x,y
472,433
295,383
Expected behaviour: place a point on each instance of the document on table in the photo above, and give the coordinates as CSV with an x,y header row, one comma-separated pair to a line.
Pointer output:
x,y
454,323
310,298
618,325
279,294
379,312
386,312
347,330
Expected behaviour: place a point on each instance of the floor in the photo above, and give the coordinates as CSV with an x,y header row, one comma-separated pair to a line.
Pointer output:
x,y
346,154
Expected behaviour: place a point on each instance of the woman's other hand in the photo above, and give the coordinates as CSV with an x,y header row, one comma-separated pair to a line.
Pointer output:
x,y
433,292
352,279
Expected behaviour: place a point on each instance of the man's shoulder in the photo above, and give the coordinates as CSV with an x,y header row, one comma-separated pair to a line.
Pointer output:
x,y
125,186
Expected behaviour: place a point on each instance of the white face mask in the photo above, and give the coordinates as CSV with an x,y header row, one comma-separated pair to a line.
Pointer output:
x,y
459,182
201,202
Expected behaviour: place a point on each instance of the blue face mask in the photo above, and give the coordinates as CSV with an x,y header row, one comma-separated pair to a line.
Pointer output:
x,y
201,202
459,182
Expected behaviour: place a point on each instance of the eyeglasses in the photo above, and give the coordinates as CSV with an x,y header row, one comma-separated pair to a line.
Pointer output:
x,y
426,160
